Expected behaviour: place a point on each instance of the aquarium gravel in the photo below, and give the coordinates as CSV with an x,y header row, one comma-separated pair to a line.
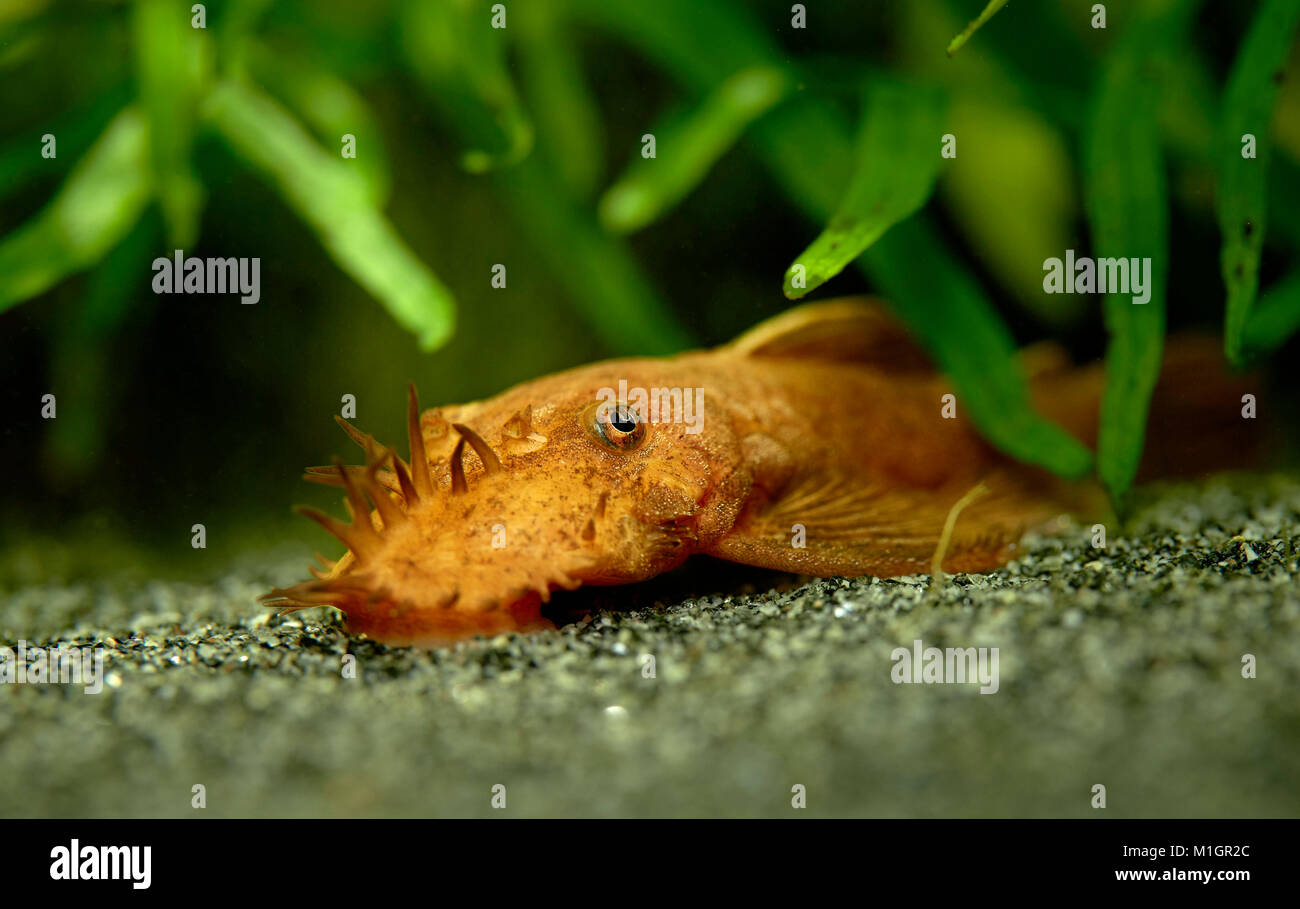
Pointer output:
x,y
1119,667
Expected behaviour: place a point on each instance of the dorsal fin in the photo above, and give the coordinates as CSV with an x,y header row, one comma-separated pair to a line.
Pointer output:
x,y
847,329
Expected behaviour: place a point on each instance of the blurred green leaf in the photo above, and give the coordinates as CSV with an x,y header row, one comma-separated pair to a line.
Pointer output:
x,y
74,131
1286,109
1247,108
1050,73
239,20
603,278
898,158
571,133
1187,107
700,45
687,145
21,33
1284,218
1275,317
331,107
85,348
102,197
958,42
1127,205
336,203
452,46
1010,159
169,58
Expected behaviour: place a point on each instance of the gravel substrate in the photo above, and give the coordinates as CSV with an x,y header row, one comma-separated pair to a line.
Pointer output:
x,y
1120,667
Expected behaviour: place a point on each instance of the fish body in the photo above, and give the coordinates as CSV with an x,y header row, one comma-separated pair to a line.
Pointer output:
x,y
821,442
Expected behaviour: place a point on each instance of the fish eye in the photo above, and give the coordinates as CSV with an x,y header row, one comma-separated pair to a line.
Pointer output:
x,y
618,425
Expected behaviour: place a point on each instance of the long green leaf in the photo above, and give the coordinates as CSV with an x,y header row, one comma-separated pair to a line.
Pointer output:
x,y
336,203
169,56
687,146
1010,158
452,46
1127,204
331,107
600,273
571,133
102,197
897,162
1242,200
603,278
75,131
958,42
1051,75
86,345
1275,318
1284,220
700,45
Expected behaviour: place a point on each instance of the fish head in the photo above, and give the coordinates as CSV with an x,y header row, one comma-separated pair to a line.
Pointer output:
x,y
603,475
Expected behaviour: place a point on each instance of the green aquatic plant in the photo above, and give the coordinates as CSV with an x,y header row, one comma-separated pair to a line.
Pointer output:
x,y
1134,100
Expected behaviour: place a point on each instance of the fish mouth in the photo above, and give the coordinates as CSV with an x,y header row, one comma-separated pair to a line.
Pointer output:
x,y
422,621
398,625
394,586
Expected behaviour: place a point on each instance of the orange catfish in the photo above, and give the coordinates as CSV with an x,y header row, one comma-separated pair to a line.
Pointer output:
x,y
820,442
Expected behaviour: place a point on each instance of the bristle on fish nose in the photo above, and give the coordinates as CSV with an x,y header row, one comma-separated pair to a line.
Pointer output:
x,y
491,463
382,496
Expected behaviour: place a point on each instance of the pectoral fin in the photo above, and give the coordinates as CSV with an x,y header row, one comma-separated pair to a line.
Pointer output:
x,y
828,526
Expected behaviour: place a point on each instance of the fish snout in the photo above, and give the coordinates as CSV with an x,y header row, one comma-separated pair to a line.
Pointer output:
x,y
432,560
